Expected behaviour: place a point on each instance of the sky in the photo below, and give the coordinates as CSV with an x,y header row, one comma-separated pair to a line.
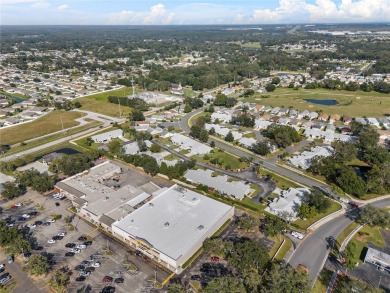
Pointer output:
x,y
176,12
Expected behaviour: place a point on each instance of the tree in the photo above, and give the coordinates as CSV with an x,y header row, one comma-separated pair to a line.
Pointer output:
x,y
349,255
43,183
306,212
344,151
282,135
275,80
284,278
71,164
187,108
247,222
37,265
176,288
136,115
374,216
367,138
212,131
212,144
350,182
77,104
229,137
225,284
274,225
155,148
249,255
60,280
11,190
270,87
317,199
115,146
376,155
347,285
261,148
215,246
203,135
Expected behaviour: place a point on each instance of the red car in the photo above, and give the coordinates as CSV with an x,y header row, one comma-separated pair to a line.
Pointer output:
x,y
14,207
354,204
108,279
215,258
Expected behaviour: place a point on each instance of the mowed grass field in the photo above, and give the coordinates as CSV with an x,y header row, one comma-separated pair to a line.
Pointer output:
x,y
47,124
98,103
355,104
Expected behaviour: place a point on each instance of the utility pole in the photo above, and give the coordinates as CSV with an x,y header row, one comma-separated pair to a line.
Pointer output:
x,y
132,85
120,112
380,280
62,123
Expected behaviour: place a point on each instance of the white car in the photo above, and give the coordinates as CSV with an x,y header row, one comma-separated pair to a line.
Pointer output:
x,y
2,266
96,265
75,250
26,216
49,220
51,241
19,204
297,235
9,224
62,234
31,225
81,246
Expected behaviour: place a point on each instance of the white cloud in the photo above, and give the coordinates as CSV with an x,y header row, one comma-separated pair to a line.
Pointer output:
x,y
299,11
40,5
120,17
155,14
63,7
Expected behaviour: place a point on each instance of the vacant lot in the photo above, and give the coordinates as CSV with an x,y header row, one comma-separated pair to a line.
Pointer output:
x,y
99,103
47,124
354,104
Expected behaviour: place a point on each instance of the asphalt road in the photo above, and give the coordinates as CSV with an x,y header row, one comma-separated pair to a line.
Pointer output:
x,y
313,251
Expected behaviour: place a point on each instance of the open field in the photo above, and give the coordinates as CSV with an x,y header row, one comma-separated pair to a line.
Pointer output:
x,y
47,124
355,104
251,45
225,160
99,102
41,141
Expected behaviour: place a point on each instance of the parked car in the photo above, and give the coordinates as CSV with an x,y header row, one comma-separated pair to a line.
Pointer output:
x,y
38,223
108,289
297,235
82,238
79,268
90,259
75,250
85,273
90,269
9,224
96,265
85,263
80,279
26,216
87,243
51,241
2,270
62,234
119,280
39,247
354,204
70,245
108,279
5,279
31,226
2,266
10,258
69,254
215,258
195,277
57,237
19,204
14,207
46,224
50,220
81,246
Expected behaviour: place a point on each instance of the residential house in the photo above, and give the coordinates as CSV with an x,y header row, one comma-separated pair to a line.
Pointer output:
x,y
283,111
293,113
107,136
333,118
346,119
361,120
247,142
323,117
373,121
303,114
312,115
275,110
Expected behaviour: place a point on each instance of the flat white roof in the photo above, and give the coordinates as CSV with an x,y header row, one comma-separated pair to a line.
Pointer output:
x,y
174,221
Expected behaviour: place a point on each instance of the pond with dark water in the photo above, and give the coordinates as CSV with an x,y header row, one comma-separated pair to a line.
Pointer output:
x,y
322,102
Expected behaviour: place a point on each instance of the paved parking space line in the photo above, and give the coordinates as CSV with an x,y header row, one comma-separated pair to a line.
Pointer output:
x,y
90,232
167,279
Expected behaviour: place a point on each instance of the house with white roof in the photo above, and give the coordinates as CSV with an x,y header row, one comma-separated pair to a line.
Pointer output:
x,y
261,124
313,115
288,203
107,136
223,131
187,143
303,114
304,159
222,116
373,121
247,142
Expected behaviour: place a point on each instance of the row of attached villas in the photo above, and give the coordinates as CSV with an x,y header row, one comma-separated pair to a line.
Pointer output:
x,y
167,224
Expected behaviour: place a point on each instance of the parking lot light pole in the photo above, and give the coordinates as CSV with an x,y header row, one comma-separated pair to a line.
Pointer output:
x,y
380,280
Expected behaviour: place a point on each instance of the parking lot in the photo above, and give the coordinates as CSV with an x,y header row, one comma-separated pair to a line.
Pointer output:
x,y
113,257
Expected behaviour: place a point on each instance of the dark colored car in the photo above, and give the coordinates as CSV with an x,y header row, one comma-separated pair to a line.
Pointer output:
x,y
85,263
34,213
21,219
80,279
38,223
108,279
79,268
195,277
46,224
82,238
2,270
38,247
87,243
119,280
90,269
57,237
70,245
69,254
108,289
57,204
354,204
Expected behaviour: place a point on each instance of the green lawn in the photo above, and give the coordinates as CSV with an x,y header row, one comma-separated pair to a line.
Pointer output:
x,y
346,232
374,236
47,124
225,160
304,224
285,248
363,104
99,102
